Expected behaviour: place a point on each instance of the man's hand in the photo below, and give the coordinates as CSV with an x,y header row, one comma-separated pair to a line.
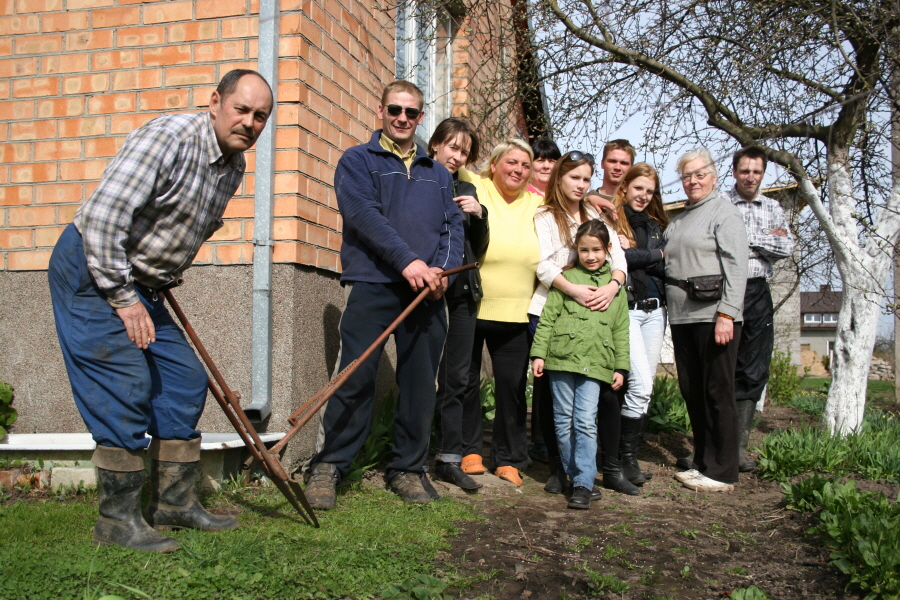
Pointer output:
x,y
537,367
443,284
138,325
468,204
604,206
724,330
420,276
780,231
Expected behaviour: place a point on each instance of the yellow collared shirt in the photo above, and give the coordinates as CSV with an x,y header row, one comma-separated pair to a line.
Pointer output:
x,y
391,146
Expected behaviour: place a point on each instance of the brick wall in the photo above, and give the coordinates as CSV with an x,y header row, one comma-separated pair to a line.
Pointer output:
x,y
76,76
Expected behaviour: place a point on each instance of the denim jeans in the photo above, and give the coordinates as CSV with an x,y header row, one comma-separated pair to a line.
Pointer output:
x,y
574,411
646,331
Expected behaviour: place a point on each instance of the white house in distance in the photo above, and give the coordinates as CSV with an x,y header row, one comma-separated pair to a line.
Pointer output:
x,y
818,324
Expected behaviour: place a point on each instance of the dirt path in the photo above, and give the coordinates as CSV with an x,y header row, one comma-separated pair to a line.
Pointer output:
x,y
668,543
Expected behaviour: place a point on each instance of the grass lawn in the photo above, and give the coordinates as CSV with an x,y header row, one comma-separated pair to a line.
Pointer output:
x,y
371,541
876,386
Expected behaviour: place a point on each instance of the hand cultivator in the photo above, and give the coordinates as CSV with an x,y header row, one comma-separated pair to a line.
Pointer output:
x,y
230,403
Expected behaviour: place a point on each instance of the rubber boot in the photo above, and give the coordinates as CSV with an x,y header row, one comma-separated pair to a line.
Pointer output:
x,y
746,410
558,482
645,422
614,477
174,471
629,441
120,522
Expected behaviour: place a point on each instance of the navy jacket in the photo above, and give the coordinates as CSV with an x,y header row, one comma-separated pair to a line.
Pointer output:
x,y
393,216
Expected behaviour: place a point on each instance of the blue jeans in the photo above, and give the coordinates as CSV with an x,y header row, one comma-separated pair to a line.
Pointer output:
x,y
121,391
646,331
574,412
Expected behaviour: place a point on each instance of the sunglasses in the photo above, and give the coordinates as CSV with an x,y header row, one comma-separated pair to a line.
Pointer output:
x,y
411,112
575,156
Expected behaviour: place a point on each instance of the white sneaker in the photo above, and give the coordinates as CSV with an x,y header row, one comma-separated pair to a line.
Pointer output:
x,y
685,476
702,483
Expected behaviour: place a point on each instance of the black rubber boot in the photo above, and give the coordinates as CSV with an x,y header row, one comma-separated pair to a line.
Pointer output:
x,y
629,441
558,481
173,499
746,410
120,522
645,422
686,463
614,477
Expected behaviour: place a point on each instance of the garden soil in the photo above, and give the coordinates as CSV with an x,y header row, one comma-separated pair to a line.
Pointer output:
x,y
668,543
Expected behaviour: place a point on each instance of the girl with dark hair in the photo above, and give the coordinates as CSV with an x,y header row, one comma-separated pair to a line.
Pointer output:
x,y
642,219
457,421
583,351
556,222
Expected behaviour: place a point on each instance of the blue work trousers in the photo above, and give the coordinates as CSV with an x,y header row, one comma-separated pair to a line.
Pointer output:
x,y
122,392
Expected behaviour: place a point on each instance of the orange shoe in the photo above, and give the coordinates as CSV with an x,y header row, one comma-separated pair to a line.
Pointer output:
x,y
471,464
510,474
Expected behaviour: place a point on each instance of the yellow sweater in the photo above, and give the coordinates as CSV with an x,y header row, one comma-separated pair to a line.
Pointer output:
x,y
508,268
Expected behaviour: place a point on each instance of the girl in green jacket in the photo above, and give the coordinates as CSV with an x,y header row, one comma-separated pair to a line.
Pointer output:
x,y
582,350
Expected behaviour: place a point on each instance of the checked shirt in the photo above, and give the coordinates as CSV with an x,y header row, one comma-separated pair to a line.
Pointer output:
x,y
160,198
761,216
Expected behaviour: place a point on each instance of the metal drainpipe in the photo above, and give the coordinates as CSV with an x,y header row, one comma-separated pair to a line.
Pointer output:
x,y
260,406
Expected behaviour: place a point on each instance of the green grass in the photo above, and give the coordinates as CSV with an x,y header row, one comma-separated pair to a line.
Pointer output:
x,y
369,543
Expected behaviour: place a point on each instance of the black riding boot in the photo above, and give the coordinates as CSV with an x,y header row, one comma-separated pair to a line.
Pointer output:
x,y
746,410
645,422
629,441
614,478
558,482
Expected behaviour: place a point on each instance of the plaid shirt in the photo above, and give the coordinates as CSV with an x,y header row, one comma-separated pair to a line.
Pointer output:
x,y
160,198
761,216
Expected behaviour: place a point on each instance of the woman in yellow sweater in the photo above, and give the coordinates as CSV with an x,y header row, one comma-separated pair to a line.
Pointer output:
x,y
508,280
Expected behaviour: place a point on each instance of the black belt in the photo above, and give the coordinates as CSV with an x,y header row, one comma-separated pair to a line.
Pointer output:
x,y
648,305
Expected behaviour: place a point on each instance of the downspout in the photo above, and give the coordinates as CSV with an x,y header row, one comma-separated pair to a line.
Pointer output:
x,y
260,406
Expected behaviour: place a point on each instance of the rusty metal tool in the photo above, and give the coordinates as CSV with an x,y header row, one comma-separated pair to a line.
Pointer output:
x,y
230,403
302,415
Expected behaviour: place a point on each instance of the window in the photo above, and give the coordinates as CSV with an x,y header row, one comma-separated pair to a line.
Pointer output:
x,y
424,45
812,318
830,318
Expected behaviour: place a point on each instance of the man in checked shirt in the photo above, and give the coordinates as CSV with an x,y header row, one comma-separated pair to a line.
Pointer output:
x,y
770,240
131,369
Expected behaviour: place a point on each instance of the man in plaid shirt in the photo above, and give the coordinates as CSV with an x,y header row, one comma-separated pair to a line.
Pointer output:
x,y
131,369
770,240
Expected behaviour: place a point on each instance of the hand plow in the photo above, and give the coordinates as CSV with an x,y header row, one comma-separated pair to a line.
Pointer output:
x,y
229,400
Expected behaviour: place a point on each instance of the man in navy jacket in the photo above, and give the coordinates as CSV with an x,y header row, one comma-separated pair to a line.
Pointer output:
x,y
401,228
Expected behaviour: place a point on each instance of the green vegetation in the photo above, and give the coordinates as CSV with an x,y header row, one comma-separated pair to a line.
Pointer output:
x,y
862,530
8,414
783,379
750,593
598,583
372,543
668,411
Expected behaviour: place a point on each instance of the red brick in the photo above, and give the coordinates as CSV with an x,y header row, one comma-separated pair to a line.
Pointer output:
x,y
22,109
129,80
176,76
212,9
32,130
60,107
103,147
248,229
164,100
10,153
24,7
168,12
230,231
233,254
286,183
79,4
141,36
204,256
201,95
18,67
28,260
105,104
241,27
191,32
5,46
239,208
29,216
116,59
115,17
86,127
46,237
217,52
39,86
288,229
66,63
326,260
121,124
19,25
33,173
56,193
166,55
16,238
15,195
57,150
86,84
66,21
89,40
82,169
